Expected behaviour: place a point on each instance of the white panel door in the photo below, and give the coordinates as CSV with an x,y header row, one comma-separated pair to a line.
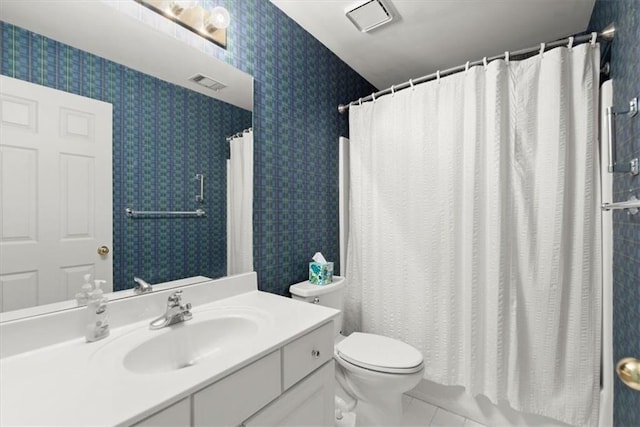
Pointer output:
x,y
55,193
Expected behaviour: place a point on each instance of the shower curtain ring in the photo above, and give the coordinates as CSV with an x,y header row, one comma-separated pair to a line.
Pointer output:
x,y
438,76
506,57
542,46
466,67
570,45
594,38
393,91
484,62
373,95
411,84
360,102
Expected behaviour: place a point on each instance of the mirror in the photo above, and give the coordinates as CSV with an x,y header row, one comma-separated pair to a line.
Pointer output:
x,y
168,142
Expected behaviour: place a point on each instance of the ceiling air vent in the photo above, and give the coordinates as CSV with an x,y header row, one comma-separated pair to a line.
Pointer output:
x,y
207,82
369,15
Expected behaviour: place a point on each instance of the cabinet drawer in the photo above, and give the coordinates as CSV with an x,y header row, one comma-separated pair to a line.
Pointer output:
x,y
234,398
306,354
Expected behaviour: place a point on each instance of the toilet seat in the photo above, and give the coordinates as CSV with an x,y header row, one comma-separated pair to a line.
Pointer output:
x,y
379,353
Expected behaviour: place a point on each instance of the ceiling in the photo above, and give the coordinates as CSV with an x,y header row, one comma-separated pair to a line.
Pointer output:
x,y
430,35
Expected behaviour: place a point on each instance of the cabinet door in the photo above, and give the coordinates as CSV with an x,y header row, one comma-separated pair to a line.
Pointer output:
x,y
308,403
236,397
178,414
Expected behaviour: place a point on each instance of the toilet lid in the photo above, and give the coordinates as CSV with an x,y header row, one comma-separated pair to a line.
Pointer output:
x,y
379,353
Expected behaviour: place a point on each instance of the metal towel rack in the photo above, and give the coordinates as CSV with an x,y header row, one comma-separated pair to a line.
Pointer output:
x,y
138,214
633,204
200,179
633,167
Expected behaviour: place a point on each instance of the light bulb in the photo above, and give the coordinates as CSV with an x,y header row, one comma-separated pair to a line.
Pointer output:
x,y
219,18
177,7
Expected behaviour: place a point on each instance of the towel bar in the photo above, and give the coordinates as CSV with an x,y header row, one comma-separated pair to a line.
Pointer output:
x,y
136,214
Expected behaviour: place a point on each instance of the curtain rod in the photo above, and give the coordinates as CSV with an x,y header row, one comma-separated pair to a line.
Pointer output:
x,y
239,134
607,34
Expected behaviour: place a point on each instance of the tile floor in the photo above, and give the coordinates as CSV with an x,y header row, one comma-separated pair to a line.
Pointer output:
x,y
421,414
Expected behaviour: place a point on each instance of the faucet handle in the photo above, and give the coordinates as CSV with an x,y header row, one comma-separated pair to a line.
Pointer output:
x,y
174,299
186,312
141,286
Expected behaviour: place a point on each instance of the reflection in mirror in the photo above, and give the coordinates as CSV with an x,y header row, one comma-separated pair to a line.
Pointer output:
x,y
168,151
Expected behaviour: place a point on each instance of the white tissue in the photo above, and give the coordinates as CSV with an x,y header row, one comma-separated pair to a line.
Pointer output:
x,y
319,258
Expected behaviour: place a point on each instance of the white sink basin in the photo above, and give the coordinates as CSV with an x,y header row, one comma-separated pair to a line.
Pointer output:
x,y
184,344
208,335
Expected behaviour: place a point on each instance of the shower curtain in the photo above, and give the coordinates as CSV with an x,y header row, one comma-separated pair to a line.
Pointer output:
x,y
240,204
475,229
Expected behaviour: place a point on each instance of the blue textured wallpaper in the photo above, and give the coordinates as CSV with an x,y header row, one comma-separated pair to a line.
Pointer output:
x,y
625,72
163,135
298,86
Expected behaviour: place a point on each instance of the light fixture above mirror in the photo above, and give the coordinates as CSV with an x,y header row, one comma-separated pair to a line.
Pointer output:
x,y
210,24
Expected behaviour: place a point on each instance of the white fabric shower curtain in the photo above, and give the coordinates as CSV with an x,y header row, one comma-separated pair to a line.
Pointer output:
x,y
475,229
240,205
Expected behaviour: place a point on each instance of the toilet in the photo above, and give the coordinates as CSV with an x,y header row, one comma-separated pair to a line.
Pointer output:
x,y
372,369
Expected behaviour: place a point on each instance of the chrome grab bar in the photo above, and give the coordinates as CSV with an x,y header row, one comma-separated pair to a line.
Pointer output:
x,y
611,124
633,167
200,197
136,214
633,204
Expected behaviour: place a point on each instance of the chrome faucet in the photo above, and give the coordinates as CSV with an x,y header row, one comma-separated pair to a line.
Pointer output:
x,y
176,312
141,287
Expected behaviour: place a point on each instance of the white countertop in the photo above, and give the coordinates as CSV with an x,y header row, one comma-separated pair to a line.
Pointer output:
x,y
79,383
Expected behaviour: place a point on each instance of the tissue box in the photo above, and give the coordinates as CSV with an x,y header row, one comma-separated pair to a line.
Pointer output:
x,y
320,274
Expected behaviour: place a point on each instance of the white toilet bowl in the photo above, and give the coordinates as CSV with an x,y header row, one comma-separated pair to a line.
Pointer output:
x,y
373,369
377,371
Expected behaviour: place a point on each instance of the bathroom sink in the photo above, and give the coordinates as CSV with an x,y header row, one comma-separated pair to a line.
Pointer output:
x,y
206,336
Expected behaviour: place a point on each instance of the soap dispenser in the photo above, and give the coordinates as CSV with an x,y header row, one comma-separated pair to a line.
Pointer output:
x,y
97,326
82,297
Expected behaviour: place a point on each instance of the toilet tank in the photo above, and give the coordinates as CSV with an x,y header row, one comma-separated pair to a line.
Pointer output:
x,y
331,295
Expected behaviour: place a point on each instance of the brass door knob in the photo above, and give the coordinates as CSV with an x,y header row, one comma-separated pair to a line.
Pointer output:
x,y
628,370
103,250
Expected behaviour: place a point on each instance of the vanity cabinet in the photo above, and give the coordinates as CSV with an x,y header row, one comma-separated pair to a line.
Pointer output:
x,y
258,359
292,386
